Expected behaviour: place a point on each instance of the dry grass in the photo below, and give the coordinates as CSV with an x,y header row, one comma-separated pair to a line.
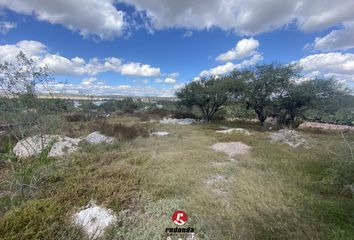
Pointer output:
x,y
275,192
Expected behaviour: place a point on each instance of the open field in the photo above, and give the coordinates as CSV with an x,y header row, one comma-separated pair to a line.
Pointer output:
x,y
272,192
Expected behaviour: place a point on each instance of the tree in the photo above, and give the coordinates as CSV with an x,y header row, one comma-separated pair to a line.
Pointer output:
x,y
264,84
298,97
209,94
20,83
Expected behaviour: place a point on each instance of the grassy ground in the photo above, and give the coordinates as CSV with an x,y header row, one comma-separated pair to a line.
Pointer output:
x,y
275,192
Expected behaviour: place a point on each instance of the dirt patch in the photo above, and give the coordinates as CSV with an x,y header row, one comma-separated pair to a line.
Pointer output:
x,y
232,130
231,148
216,183
290,137
94,220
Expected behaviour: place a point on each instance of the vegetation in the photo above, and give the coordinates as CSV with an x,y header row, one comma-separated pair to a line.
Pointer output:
x,y
269,90
274,192
210,95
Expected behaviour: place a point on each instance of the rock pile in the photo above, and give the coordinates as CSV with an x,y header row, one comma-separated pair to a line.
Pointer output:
x,y
290,137
32,146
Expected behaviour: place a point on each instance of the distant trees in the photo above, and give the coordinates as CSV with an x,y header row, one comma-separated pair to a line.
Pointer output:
x,y
209,94
270,90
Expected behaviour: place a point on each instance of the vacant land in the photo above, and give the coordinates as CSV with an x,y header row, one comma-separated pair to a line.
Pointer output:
x,y
271,191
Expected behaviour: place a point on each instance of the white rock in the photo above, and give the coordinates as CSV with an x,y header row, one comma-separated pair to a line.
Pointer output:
x,y
185,121
94,220
159,134
64,145
290,137
231,130
97,138
34,145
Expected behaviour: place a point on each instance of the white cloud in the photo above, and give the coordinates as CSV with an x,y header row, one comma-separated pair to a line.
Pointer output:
x,y
102,18
169,80
88,17
76,66
337,39
5,27
173,75
244,48
245,17
229,67
31,48
138,69
104,89
338,65
88,81
188,34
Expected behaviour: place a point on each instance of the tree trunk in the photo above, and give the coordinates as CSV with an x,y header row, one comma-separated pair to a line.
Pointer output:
x,y
261,118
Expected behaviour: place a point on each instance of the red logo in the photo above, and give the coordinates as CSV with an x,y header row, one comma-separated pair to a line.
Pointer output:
x,y
179,218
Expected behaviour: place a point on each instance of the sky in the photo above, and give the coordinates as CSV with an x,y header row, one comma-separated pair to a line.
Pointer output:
x,y
154,47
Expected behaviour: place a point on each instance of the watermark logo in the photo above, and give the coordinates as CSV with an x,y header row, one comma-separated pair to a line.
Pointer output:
x,y
173,233
179,218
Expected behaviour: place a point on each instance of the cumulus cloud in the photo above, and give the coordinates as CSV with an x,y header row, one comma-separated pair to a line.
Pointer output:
x,y
244,48
169,80
337,65
229,66
76,66
245,17
89,17
8,52
102,18
138,69
5,27
337,39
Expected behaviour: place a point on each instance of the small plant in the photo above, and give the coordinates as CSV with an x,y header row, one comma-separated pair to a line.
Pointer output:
x,y
26,174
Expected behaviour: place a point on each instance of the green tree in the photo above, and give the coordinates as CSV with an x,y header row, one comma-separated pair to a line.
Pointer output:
x,y
20,83
264,84
209,94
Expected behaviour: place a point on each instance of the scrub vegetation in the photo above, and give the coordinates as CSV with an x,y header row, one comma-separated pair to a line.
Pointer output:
x,y
273,191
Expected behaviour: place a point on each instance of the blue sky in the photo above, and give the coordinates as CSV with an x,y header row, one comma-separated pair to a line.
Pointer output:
x,y
153,47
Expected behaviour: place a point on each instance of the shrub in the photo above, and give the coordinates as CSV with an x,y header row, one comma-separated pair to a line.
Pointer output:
x,y
37,219
183,114
118,130
76,117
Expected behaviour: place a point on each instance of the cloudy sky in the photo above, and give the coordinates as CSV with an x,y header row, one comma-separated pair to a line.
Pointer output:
x,y
153,47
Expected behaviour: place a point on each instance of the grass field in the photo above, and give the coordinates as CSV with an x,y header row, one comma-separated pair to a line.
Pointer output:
x,y
274,192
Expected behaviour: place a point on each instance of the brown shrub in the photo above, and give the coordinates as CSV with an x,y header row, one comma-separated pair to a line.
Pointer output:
x,y
77,117
118,130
